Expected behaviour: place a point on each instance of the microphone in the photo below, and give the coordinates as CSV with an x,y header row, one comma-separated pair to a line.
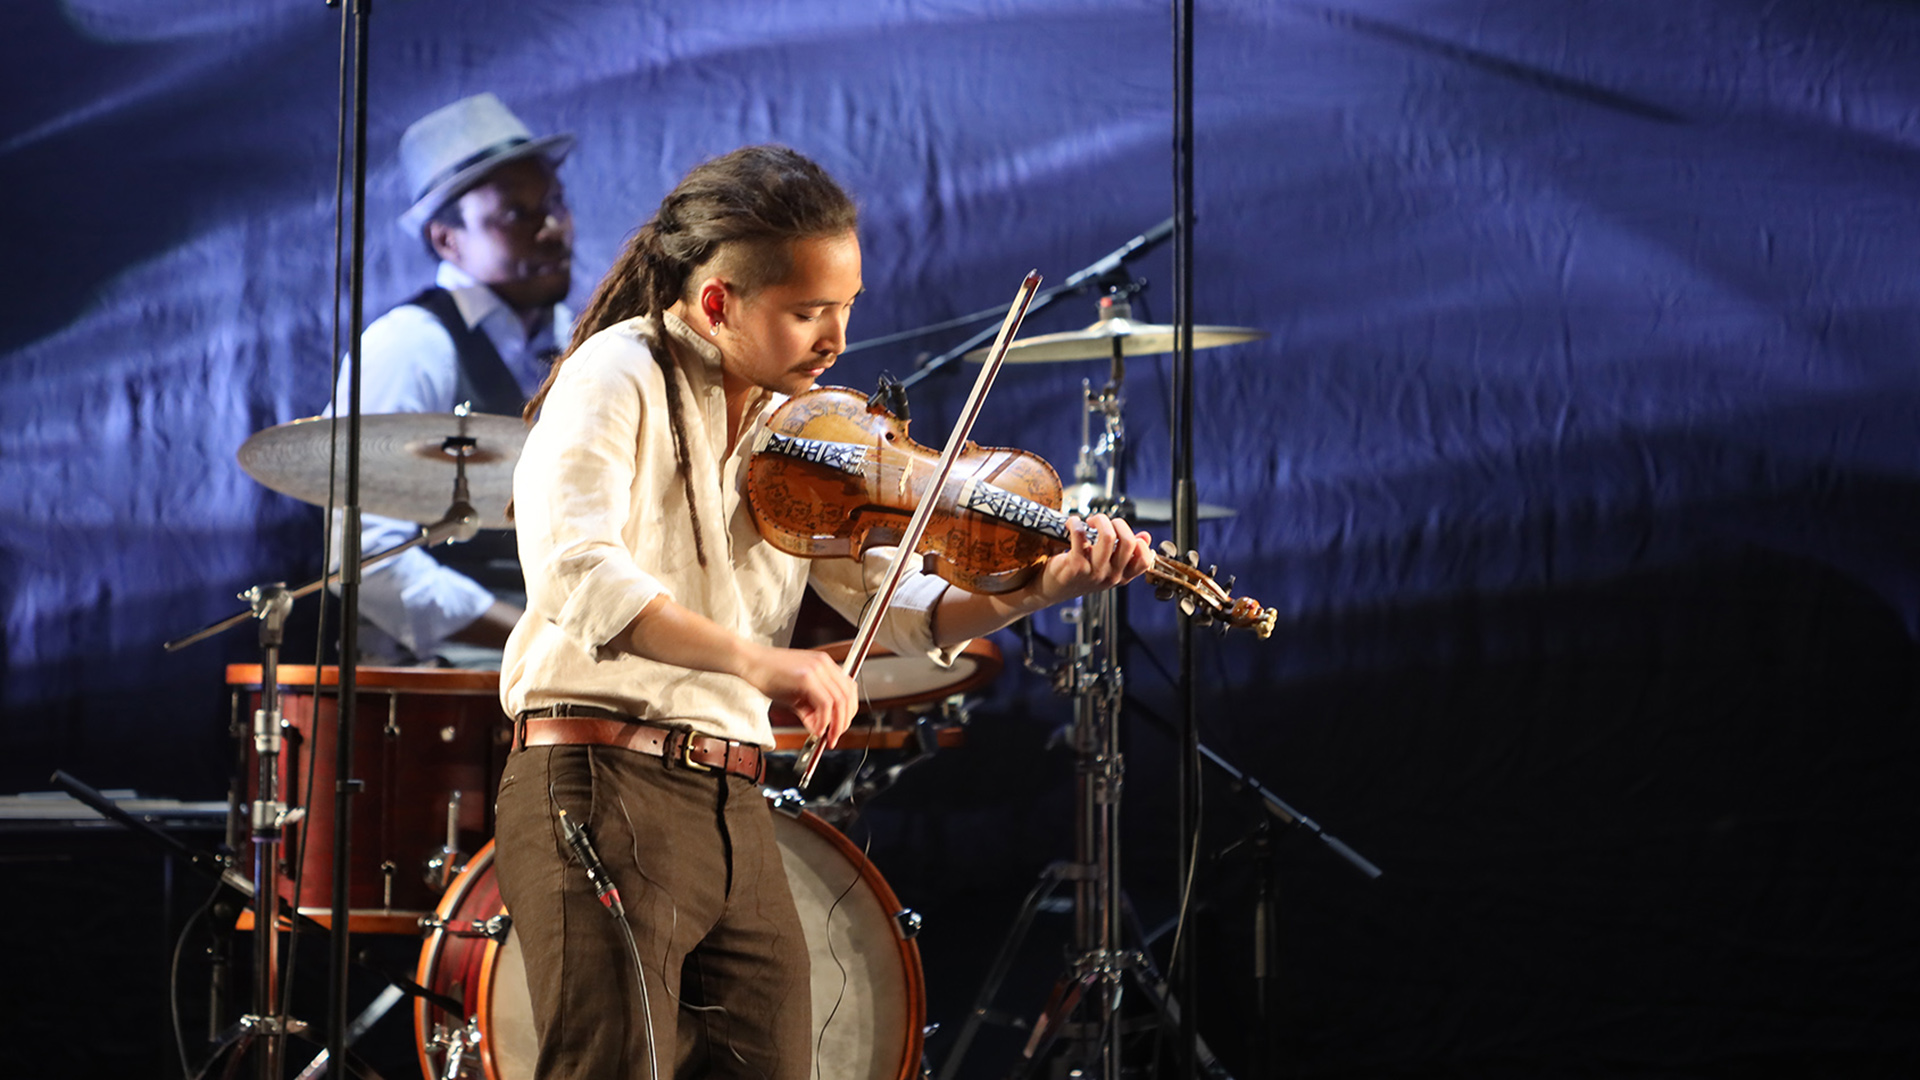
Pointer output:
x,y
1121,254
582,846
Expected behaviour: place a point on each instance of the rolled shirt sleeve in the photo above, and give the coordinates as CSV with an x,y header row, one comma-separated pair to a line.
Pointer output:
x,y
906,629
573,494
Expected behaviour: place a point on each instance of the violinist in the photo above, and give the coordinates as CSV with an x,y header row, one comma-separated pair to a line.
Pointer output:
x,y
654,638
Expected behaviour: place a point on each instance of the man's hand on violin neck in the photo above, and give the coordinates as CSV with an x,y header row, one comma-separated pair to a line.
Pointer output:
x,y
1102,552
807,683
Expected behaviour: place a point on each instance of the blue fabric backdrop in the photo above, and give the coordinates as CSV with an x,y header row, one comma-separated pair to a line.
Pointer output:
x,y
1576,309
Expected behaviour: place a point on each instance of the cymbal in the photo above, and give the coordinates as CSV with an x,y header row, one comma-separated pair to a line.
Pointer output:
x,y
1078,498
405,471
1096,341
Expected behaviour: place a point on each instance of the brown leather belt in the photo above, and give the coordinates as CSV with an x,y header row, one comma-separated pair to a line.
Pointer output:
x,y
587,725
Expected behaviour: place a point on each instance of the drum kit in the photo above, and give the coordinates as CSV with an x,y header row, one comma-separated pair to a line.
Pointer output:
x,y
430,745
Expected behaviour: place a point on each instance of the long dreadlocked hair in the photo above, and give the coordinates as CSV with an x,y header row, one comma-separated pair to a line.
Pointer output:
x,y
735,217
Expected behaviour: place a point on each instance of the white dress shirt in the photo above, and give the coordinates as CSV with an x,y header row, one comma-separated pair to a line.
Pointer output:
x,y
603,528
412,601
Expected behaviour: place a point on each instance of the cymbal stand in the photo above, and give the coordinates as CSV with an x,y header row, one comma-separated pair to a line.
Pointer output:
x,y
268,1023
1093,983
270,604
460,523
1094,677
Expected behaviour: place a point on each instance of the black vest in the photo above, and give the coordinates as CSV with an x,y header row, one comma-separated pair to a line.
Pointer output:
x,y
482,378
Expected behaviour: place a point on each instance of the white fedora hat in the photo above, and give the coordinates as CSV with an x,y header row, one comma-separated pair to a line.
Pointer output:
x,y
444,152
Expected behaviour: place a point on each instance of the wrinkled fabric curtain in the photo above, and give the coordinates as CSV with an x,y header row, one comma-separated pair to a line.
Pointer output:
x,y
1579,458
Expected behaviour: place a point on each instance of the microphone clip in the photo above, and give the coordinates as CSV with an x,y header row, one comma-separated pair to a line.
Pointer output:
x,y
891,398
582,845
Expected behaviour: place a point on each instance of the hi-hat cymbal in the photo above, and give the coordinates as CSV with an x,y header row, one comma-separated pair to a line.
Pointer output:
x,y
1096,341
406,469
1081,498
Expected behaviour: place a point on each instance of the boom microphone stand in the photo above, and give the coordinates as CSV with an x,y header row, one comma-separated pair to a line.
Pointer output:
x,y
1186,981
1087,277
350,552
1083,1009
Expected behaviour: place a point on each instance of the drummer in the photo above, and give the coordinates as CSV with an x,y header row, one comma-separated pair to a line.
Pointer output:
x,y
489,205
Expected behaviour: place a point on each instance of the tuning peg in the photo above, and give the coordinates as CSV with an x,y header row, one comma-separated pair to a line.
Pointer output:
x,y
1187,605
1228,584
1169,550
1193,559
1213,571
1163,592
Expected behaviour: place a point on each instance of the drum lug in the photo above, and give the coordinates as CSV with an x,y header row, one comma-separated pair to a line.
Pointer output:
x,y
908,920
442,867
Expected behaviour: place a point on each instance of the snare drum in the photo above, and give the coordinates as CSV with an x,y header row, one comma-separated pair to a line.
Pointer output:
x,y
892,687
869,1001
889,681
428,744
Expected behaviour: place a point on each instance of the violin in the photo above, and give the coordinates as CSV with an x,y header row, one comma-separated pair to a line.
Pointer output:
x,y
835,474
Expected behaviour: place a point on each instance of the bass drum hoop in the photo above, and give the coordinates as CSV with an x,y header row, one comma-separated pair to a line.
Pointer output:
x,y
480,999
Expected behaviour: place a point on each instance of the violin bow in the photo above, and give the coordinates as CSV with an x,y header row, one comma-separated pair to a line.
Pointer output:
x,y
923,513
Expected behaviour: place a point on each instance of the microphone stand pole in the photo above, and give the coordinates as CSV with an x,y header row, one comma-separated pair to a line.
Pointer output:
x,y
1185,531
345,785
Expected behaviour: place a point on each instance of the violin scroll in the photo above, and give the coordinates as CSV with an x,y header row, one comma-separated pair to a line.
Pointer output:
x,y
1201,596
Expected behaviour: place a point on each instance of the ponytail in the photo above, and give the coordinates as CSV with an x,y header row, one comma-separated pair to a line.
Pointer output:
x,y
737,213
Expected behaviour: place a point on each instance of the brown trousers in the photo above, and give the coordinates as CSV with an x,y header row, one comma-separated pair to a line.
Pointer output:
x,y
694,857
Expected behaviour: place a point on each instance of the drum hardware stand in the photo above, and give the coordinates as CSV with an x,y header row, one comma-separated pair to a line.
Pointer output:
x,y
269,604
871,778
269,1022
1103,917
1091,673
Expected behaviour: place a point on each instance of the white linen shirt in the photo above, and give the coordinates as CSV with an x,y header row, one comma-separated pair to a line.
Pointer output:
x,y
603,528
411,366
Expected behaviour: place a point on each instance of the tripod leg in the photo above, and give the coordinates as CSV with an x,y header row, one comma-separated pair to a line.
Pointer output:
x,y
378,1008
1167,1008
1061,1002
1050,879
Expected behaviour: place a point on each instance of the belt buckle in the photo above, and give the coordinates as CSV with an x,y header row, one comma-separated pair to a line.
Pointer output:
x,y
686,755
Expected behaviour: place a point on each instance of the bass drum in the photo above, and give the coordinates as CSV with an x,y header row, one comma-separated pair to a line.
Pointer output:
x,y
869,999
